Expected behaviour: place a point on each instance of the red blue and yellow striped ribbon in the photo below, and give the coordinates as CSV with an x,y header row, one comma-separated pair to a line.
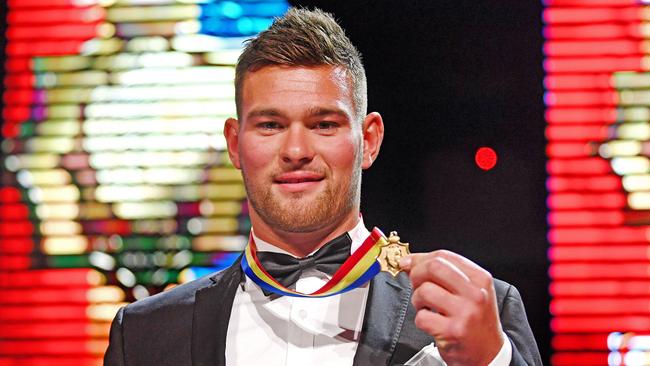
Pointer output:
x,y
358,269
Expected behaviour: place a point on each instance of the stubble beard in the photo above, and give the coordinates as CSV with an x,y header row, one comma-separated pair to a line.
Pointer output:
x,y
299,214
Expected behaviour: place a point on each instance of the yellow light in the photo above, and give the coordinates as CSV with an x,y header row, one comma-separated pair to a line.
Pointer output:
x,y
105,294
67,95
154,142
639,200
103,312
155,227
173,176
223,57
67,193
106,30
31,161
190,75
152,13
53,177
96,347
148,44
225,175
633,131
98,46
636,97
94,211
633,183
630,80
60,228
77,78
61,63
191,192
61,145
153,159
631,165
636,114
47,211
139,60
210,243
224,191
103,127
161,109
220,208
209,92
198,225
95,278
118,193
59,128
619,148
64,245
144,210
98,330
187,27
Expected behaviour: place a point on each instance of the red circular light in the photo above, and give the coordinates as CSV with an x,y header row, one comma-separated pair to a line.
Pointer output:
x,y
486,158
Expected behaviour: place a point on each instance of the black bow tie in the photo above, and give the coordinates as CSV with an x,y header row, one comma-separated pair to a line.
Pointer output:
x,y
287,269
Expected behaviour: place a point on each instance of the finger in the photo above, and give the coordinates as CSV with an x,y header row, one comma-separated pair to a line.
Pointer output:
x,y
432,323
433,297
477,274
443,273
407,263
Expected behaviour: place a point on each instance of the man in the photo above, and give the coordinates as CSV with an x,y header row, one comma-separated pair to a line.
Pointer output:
x,y
301,139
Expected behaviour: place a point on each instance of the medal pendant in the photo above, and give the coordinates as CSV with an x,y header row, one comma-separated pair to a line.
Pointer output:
x,y
391,253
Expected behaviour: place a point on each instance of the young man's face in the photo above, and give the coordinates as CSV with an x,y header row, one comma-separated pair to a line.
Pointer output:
x,y
299,145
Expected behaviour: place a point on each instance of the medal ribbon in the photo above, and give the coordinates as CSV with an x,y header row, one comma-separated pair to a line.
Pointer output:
x,y
358,269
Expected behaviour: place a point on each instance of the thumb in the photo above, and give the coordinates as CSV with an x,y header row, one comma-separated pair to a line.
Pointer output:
x,y
408,262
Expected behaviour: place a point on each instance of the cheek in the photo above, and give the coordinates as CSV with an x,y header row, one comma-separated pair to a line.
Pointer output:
x,y
255,154
342,155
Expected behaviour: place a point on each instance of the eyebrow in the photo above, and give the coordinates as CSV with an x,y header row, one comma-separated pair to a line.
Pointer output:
x,y
322,111
312,112
270,112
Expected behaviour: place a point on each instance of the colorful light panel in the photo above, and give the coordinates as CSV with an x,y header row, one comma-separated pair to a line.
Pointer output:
x,y
115,183
598,130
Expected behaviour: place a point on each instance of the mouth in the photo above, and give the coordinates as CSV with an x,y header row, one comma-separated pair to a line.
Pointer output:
x,y
298,181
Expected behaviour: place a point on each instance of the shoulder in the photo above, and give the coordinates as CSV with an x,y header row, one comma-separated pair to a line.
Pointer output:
x,y
505,293
178,296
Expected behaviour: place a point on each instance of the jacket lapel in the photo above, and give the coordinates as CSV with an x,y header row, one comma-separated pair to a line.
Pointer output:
x,y
385,312
212,307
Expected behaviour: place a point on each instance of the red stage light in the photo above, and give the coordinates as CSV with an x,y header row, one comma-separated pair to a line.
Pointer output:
x,y
485,158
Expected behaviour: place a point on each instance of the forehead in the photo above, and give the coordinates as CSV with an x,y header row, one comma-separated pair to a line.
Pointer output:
x,y
296,86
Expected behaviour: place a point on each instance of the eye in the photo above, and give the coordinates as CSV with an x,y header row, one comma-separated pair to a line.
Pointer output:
x,y
326,125
269,125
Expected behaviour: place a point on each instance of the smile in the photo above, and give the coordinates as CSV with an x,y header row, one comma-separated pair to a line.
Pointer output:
x,y
298,181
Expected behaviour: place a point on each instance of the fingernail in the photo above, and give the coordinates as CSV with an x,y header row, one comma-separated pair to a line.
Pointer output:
x,y
405,263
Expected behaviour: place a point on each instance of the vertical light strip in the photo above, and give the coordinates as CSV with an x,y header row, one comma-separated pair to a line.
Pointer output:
x,y
115,183
597,113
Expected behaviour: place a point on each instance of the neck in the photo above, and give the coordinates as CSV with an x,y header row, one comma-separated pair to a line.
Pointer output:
x,y
301,244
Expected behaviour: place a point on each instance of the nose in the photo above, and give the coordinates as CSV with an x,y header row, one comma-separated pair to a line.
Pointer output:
x,y
296,148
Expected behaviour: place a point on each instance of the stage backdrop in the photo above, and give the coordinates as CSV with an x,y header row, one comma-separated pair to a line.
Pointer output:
x,y
115,183
598,94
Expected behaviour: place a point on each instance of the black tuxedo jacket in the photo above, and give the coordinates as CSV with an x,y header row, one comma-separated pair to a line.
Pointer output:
x,y
187,325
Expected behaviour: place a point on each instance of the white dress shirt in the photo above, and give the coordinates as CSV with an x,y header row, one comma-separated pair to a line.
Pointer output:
x,y
289,331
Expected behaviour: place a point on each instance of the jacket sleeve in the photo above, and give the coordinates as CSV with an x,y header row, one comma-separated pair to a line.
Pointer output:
x,y
114,355
515,325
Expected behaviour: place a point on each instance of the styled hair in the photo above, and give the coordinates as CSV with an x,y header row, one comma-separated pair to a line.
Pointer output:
x,y
304,37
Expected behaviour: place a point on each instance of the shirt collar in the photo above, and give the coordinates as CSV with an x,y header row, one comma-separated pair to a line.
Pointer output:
x,y
358,234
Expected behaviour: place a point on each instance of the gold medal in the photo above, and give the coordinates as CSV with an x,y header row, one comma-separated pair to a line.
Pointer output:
x,y
391,253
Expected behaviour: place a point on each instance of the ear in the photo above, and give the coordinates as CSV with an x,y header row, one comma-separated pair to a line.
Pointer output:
x,y
231,132
373,135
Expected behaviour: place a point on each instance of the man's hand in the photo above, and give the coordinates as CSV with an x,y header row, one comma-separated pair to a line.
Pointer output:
x,y
456,304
